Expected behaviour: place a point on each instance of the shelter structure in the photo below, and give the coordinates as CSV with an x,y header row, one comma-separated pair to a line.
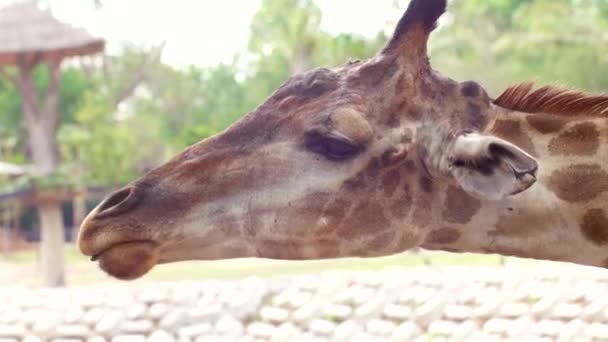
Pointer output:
x,y
31,38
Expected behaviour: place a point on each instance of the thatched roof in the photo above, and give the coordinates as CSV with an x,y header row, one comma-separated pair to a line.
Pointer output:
x,y
25,30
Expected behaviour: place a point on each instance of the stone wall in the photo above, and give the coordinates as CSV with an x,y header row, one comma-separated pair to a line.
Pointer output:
x,y
401,304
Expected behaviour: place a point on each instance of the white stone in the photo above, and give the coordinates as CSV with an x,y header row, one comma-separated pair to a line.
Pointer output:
x,y
284,298
487,309
597,330
261,329
442,328
496,326
465,330
571,330
73,330
207,313
398,312
307,311
365,337
141,326
2,339
13,330
371,308
406,331
173,319
207,338
136,310
305,337
129,338
46,326
285,332
547,327
456,312
429,311
339,312
192,331
93,315
73,314
514,310
32,338
33,315
97,339
152,295
321,326
161,336
230,326
567,311
362,295
157,310
346,330
10,315
299,299
545,304
274,314
593,311
380,327
110,323
521,326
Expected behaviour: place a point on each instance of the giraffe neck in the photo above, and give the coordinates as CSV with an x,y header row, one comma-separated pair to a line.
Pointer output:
x,y
563,217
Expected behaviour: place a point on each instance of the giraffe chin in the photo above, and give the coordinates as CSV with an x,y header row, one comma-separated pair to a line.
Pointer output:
x,y
129,261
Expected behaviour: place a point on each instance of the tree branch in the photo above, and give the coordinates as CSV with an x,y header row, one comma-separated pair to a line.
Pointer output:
x,y
140,75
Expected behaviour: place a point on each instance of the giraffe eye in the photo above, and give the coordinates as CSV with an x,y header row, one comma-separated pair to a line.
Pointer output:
x,y
332,148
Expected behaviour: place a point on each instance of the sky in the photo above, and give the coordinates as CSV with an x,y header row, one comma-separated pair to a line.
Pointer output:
x,y
206,32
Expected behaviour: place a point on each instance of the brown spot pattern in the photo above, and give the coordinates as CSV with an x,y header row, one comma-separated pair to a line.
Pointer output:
x,y
381,241
426,184
390,182
460,207
364,220
511,131
470,89
595,226
582,139
410,166
401,207
401,84
578,182
545,123
442,236
422,213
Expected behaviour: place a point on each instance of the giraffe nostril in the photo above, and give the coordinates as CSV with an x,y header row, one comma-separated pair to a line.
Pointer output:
x,y
119,202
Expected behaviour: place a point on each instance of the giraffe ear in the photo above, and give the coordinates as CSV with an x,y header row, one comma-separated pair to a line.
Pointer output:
x,y
413,30
490,168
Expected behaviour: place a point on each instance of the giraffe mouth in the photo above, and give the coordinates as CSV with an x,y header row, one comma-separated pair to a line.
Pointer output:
x,y
128,260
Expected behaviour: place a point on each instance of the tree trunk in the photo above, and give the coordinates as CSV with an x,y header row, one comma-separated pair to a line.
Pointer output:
x,y
42,123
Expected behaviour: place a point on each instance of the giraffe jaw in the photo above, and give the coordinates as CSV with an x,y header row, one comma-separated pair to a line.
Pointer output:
x,y
129,260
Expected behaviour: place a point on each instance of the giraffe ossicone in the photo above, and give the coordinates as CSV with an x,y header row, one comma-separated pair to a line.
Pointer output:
x,y
373,158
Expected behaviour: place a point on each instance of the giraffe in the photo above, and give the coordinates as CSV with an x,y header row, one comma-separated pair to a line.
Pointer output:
x,y
373,158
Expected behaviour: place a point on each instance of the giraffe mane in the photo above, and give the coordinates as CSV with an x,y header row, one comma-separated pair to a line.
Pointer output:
x,y
552,100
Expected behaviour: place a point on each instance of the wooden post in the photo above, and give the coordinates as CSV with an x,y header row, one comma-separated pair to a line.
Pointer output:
x,y
51,246
41,122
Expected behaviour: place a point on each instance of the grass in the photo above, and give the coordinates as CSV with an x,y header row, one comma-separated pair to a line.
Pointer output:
x,y
81,270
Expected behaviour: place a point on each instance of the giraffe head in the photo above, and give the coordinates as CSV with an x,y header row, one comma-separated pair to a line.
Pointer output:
x,y
339,162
